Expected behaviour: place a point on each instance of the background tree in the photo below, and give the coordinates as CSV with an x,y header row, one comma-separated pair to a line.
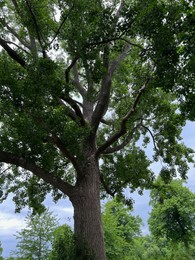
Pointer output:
x,y
63,244
1,250
120,230
173,213
82,81
34,241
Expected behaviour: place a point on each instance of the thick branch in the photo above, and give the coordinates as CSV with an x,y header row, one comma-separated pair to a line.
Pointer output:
x,y
104,95
12,53
26,164
122,131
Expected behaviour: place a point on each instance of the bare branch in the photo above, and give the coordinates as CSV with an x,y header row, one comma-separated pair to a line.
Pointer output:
x,y
12,53
28,165
122,131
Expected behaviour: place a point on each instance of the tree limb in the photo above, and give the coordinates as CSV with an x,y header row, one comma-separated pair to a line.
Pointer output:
x,y
107,189
14,33
106,149
67,71
76,108
19,47
28,165
153,139
36,27
57,141
12,53
122,131
104,95
61,25
76,81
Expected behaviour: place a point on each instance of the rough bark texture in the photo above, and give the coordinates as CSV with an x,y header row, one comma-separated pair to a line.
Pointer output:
x,y
87,211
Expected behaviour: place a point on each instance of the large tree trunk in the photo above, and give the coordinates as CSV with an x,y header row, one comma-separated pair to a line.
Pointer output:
x,y
87,212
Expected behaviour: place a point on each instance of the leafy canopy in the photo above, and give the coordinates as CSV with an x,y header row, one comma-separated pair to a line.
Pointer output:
x,y
173,213
34,241
107,72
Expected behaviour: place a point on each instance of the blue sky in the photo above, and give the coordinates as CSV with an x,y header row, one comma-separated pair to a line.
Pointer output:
x,y
11,222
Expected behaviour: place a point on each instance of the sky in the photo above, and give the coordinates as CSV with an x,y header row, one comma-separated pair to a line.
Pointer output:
x,y
10,222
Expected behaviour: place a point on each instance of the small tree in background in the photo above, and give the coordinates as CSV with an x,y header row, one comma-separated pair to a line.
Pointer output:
x,y
63,244
120,229
173,213
34,241
1,250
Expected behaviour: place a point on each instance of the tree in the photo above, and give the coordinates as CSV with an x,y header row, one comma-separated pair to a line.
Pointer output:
x,y
80,83
120,230
63,245
1,250
173,213
34,241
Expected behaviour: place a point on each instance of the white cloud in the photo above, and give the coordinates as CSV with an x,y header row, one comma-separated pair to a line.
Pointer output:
x,y
10,223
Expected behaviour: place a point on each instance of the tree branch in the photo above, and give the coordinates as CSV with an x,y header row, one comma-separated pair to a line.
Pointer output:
x,y
76,108
67,71
56,140
61,25
14,33
36,27
26,164
121,57
70,112
106,149
107,189
103,98
12,53
76,81
122,131
19,47
153,139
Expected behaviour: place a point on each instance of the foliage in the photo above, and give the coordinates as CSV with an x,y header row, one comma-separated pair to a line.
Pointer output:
x,y
1,250
34,241
62,244
120,230
83,82
173,213
151,248
155,39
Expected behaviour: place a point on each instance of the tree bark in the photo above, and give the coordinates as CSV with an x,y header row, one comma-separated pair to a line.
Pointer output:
x,y
87,212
